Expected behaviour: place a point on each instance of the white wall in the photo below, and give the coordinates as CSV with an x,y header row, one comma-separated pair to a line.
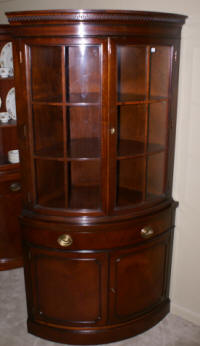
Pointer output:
x,y
185,286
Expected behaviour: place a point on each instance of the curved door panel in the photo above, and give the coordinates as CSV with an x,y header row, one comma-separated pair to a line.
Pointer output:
x,y
138,279
68,288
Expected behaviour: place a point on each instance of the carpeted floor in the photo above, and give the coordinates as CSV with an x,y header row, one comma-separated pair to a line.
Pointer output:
x,y
172,331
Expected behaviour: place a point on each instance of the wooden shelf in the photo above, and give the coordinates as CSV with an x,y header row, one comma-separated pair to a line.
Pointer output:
x,y
139,99
89,148
81,148
128,197
10,123
91,99
5,165
7,78
130,149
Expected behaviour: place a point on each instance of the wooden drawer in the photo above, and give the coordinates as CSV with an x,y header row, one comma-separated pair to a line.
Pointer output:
x,y
98,237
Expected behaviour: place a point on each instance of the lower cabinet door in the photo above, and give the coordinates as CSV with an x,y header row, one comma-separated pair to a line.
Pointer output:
x,y
139,278
67,287
10,234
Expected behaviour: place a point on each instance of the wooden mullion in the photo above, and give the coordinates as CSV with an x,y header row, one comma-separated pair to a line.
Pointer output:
x,y
112,138
64,112
148,80
169,122
104,128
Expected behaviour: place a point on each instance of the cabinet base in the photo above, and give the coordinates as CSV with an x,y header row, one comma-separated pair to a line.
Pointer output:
x,y
11,263
106,334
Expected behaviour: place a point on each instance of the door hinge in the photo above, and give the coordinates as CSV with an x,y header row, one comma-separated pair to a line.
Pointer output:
x,y
20,57
175,55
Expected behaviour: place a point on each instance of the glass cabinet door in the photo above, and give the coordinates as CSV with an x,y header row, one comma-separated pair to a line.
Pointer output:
x,y
66,112
141,119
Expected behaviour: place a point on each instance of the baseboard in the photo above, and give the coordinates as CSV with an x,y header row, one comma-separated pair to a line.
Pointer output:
x,y
185,313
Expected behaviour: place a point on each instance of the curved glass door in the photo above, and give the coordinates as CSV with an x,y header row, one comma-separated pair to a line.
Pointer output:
x,y
66,85
141,118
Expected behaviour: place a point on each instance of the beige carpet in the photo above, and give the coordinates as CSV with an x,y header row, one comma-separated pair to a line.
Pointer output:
x,y
172,331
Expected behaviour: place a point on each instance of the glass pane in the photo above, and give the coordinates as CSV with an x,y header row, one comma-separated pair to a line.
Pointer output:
x,y
50,183
155,175
48,130
157,126
131,129
84,131
160,72
84,185
83,74
130,181
131,66
46,74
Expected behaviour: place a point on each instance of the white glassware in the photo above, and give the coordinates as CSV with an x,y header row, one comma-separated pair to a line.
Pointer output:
x,y
4,117
10,103
13,156
6,57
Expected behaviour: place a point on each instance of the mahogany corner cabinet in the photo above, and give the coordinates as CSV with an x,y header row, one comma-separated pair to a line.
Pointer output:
x,y
96,102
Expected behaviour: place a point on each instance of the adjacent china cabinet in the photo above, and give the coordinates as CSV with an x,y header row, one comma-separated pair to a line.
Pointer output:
x,y
10,194
96,103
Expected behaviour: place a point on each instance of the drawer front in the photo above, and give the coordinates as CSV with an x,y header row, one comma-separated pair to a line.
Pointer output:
x,y
99,237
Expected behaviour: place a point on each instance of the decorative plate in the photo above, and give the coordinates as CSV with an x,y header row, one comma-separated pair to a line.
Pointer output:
x,y
6,57
10,103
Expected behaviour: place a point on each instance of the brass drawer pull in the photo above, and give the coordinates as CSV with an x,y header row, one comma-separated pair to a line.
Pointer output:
x,y
65,240
147,232
14,187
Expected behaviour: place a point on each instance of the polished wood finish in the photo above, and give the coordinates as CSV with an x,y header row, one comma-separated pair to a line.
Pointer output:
x,y
96,101
10,200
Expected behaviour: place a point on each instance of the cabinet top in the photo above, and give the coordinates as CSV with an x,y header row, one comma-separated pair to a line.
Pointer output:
x,y
91,16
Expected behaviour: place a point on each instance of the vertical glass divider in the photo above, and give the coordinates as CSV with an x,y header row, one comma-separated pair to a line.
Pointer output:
x,y
66,187
30,122
148,80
